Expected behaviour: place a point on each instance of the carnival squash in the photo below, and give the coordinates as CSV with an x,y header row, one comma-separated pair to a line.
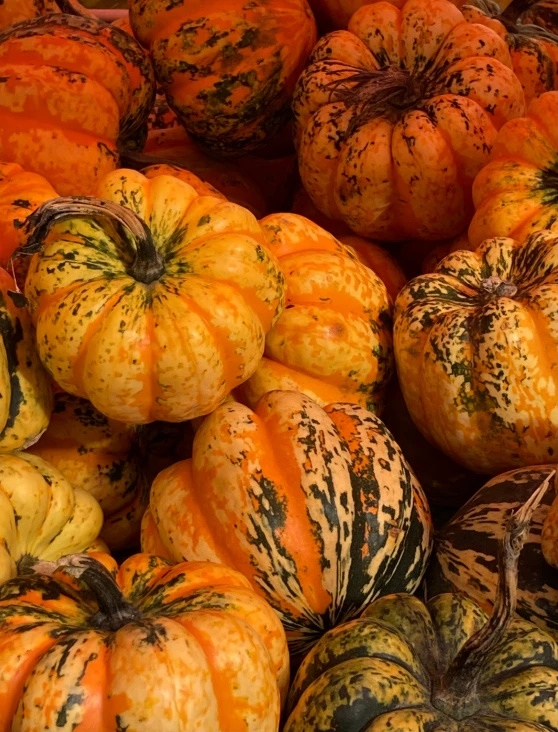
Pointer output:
x,y
149,647
465,557
71,89
159,300
333,339
102,457
41,515
318,508
228,67
476,350
516,193
380,261
441,667
395,116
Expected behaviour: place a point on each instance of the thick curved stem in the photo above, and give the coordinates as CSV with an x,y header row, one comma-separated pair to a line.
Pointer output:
x,y
496,287
148,264
457,689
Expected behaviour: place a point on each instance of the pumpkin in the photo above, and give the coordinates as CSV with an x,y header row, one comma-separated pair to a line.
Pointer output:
x,y
474,352
333,339
549,536
156,647
465,557
160,299
380,261
102,457
71,89
317,507
395,116
41,515
543,13
228,67
25,393
202,187
13,11
516,193
444,665
441,251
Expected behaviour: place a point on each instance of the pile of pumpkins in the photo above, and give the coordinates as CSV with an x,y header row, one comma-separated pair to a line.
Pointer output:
x,y
277,278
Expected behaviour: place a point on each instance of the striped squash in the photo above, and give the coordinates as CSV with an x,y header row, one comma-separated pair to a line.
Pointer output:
x,y
148,647
466,549
444,666
317,507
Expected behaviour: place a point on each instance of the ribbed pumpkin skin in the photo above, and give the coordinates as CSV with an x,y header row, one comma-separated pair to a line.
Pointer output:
x,y
192,336
70,89
402,170
14,12
228,67
466,549
41,515
100,456
318,508
476,363
206,655
375,673
543,13
333,339
380,261
516,193
202,187
25,393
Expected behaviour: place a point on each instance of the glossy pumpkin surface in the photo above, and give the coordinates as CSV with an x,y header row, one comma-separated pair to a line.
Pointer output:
x,y
228,67
474,345
466,549
41,515
71,88
102,457
516,193
159,647
333,339
318,508
395,116
164,343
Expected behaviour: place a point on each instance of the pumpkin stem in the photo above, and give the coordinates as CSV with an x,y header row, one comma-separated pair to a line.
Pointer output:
x,y
456,691
148,264
494,286
114,611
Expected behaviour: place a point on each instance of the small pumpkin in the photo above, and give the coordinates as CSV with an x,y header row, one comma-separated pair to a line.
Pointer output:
x,y
41,515
160,299
228,68
13,11
444,665
516,193
441,251
102,457
380,261
317,507
148,646
333,339
474,352
465,558
71,89
395,116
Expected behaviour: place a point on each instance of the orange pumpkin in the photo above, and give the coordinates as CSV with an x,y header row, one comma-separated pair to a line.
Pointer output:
x,y
14,11
71,89
228,67
543,13
304,206
516,193
333,339
435,255
379,260
395,116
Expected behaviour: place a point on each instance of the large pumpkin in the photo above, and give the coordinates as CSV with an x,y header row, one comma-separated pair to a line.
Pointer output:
x,y
516,193
333,339
102,457
465,555
395,117
160,299
71,89
25,392
318,508
476,353
228,67
156,647
41,515
440,667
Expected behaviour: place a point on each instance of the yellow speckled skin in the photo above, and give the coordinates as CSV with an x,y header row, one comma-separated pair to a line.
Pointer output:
x,y
41,515
476,347
206,655
333,340
170,350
